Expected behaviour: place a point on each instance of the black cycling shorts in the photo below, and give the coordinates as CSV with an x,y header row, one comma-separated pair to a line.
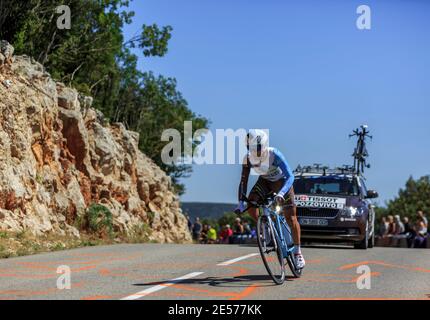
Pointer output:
x,y
263,188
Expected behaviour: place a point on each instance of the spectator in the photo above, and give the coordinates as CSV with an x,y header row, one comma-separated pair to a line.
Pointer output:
x,y
399,227
237,231
226,234
211,235
421,215
197,229
420,240
383,227
408,227
246,228
238,227
204,234
409,232
391,226
189,223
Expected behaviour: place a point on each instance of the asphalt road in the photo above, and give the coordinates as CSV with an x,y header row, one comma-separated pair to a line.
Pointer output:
x,y
143,271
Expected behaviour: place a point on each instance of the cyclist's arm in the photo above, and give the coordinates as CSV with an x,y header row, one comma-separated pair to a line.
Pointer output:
x,y
243,186
283,164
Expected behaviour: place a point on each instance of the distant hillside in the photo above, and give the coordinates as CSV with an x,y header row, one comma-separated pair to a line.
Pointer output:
x,y
206,209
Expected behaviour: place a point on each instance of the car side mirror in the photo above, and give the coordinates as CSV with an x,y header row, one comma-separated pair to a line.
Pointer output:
x,y
372,194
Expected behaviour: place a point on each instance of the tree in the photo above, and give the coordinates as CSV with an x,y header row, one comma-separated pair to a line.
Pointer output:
x,y
415,196
150,104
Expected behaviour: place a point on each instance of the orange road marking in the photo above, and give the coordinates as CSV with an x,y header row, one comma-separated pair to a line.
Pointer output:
x,y
382,263
245,293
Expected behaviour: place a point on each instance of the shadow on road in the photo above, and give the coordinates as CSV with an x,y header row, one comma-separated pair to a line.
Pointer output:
x,y
239,281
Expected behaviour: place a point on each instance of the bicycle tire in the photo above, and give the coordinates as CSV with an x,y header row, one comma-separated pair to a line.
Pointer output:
x,y
297,273
278,279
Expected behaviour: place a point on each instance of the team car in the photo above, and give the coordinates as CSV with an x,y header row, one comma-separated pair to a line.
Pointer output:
x,y
334,205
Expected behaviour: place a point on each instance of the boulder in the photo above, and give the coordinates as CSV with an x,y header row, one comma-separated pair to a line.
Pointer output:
x,y
6,49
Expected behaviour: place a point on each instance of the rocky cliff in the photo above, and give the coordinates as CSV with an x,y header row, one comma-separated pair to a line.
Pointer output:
x,y
58,157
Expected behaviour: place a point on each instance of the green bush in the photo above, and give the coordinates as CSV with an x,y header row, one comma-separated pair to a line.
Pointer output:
x,y
99,218
151,216
139,233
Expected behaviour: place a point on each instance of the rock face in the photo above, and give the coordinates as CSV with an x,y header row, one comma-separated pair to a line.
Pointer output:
x,y
57,158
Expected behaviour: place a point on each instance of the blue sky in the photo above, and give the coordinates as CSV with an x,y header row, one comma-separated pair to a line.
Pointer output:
x,y
304,71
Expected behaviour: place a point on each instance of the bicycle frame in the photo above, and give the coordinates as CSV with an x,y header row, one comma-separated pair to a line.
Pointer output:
x,y
280,225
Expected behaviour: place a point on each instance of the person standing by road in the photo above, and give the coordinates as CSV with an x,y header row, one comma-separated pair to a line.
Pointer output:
x,y
238,231
197,229
204,234
383,227
211,235
189,223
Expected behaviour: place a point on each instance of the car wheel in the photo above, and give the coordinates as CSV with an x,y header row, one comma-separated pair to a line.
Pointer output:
x,y
363,244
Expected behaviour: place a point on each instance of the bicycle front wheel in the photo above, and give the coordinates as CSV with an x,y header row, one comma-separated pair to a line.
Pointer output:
x,y
270,250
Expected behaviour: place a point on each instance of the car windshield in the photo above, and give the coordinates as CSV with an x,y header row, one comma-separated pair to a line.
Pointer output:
x,y
326,185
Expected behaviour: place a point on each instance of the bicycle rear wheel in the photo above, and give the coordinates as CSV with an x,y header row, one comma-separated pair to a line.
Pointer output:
x,y
270,250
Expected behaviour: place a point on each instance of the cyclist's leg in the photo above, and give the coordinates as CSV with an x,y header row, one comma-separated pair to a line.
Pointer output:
x,y
258,191
253,212
290,213
289,210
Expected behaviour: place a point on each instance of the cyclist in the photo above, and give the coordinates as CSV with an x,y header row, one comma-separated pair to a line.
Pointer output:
x,y
275,176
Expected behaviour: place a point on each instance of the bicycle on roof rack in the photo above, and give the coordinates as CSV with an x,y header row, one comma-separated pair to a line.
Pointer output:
x,y
274,239
360,152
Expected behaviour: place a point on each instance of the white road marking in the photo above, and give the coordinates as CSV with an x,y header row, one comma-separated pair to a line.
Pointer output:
x,y
229,262
169,283
161,286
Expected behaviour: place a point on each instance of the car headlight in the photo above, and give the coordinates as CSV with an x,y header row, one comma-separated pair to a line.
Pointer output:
x,y
352,211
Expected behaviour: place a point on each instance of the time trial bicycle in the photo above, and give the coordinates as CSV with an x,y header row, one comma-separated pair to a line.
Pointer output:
x,y
274,239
